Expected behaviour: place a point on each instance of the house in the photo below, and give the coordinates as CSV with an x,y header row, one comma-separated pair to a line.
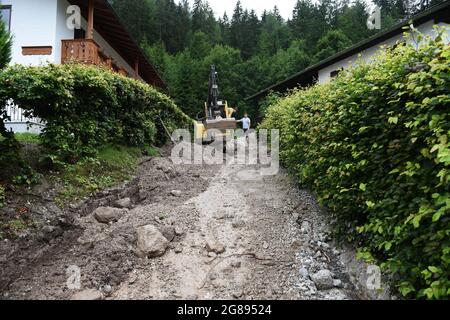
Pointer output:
x,y
43,35
325,70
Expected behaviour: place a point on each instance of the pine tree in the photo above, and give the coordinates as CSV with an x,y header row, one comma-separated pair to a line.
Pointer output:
x,y
332,42
5,45
352,20
136,17
308,22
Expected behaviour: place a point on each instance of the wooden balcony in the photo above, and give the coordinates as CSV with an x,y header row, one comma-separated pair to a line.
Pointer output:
x,y
87,51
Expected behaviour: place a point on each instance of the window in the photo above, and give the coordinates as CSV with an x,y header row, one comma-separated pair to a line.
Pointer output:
x,y
5,16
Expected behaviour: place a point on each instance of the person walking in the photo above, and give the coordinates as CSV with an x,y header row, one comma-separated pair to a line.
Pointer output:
x,y
246,124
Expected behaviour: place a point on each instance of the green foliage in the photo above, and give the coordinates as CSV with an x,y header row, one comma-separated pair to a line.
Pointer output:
x,y
2,196
112,165
86,107
374,146
332,42
27,137
5,45
26,176
180,39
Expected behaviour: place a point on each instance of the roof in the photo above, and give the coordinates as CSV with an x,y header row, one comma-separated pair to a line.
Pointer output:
x,y
110,27
440,13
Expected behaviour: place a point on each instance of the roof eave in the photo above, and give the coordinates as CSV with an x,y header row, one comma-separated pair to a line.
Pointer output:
x,y
362,45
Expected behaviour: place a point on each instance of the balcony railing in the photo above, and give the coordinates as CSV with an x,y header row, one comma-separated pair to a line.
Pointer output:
x,y
87,51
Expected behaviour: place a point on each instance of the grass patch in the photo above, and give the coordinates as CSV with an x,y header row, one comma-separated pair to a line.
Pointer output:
x,y
151,151
27,137
113,165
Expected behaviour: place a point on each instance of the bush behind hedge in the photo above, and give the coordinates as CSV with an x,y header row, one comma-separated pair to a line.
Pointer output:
x,y
374,146
85,107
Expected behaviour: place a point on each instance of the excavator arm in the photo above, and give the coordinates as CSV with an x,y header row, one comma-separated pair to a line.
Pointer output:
x,y
218,115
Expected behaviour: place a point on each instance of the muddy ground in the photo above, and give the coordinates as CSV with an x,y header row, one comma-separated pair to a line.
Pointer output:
x,y
272,237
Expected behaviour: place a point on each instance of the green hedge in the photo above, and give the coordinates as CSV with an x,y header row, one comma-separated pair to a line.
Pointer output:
x,y
374,146
86,107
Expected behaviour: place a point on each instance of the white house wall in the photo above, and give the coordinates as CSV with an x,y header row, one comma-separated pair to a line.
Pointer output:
x,y
43,23
33,23
368,54
62,32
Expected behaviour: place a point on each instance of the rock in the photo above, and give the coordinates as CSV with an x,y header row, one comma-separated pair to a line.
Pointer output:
x,y
132,279
212,276
179,231
87,295
215,247
168,232
337,283
304,273
176,193
107,289
323,280
123,203
305,227
151,243
142,195
51,232
296,244
265,245
212,254
236,264
108,214
238,223
178,249
238,294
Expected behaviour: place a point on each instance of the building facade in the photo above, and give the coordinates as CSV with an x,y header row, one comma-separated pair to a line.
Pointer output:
x,y
66,31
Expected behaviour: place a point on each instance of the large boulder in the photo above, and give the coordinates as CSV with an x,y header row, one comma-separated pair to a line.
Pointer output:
x,y
108,214
151,243
323,280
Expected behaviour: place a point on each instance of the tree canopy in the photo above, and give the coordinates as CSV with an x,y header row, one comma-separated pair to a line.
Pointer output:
x,y
251,52
5,45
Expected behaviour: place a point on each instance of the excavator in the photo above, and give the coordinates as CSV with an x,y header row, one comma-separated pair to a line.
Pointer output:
x,y
218,115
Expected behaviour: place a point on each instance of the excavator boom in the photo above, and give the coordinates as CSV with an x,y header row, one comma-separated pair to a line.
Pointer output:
x,y
218,115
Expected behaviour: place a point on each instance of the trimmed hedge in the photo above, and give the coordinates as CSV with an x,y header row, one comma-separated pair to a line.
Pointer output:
x,y
374,146
85,107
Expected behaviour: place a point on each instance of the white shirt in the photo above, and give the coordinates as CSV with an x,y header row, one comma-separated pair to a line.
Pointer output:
x,y
246,123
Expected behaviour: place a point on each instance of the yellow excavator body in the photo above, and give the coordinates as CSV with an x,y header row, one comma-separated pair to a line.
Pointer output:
x,y
219,128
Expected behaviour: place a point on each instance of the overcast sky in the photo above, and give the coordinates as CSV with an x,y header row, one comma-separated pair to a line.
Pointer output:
x,y
220,6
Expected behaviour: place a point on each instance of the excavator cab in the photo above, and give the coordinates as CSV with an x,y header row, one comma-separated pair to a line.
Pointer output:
x,y
218,115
